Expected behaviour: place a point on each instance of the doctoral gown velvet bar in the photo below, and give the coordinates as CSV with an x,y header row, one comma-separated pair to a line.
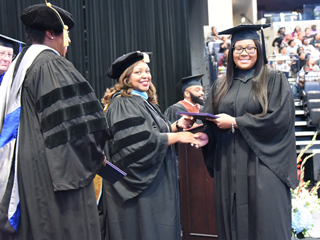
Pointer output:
x,y
143,205
60,150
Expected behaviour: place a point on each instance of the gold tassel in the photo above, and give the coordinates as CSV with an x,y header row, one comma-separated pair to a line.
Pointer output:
x,y
65,27
65,36
146,58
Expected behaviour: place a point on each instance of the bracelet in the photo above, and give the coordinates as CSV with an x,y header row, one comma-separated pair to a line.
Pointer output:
x,y
178,127
232,125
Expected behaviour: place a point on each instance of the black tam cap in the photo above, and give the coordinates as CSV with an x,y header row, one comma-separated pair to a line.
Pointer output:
x,y
8,42
190,81
242,32
42,17
125,61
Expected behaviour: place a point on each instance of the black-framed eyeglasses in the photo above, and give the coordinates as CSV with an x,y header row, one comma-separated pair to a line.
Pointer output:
x,y
3,54
250,50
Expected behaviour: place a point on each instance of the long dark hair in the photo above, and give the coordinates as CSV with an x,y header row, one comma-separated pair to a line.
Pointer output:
x,y
259,81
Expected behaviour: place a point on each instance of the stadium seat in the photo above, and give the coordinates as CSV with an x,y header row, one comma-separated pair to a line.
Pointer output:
x,y
311,86
313,103
314,116
313,95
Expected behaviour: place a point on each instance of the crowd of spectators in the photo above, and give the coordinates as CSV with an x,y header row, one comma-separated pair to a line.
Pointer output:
x,y
302,48
292,50
218,47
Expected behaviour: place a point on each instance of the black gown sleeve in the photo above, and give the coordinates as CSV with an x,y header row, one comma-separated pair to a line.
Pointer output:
x,y
61,105
272,137
137,147
208,150
170,112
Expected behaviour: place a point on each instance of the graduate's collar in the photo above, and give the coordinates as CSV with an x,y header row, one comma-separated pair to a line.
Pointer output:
x,y
193,105
141,94
243,75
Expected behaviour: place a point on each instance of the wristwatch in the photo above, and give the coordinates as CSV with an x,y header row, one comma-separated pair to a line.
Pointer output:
x,y
178,127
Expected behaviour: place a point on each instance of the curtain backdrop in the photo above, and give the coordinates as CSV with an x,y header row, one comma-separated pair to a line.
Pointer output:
x,y
107,29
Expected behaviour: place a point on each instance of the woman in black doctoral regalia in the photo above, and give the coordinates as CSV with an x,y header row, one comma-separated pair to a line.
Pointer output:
x,y
58,135
251,146
144,205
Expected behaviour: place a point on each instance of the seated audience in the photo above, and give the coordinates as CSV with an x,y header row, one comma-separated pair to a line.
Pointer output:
x,y
213,35
292,47
224,58
299,39
284,63
300,49
224,45
286,39
307,34
311,67
310,49
302,60
309,72
278,40
295,32
313,30
298,61
316,41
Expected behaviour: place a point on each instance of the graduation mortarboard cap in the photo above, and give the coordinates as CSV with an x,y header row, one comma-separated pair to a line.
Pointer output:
x,y
48,17
242,32
125,61
190,81
6,41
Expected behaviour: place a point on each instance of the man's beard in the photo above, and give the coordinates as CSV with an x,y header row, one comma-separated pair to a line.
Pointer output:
x,y
196,99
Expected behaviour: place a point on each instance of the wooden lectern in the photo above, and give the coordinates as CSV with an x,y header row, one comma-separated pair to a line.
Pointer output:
x,y
197,195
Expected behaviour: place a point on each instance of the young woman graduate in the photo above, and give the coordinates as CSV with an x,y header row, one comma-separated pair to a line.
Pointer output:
x,y
251,149
143,205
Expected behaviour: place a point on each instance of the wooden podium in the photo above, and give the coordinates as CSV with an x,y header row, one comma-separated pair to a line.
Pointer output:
x,y
197,195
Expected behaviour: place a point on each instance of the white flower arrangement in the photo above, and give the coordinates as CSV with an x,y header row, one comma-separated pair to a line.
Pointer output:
x,y
304,200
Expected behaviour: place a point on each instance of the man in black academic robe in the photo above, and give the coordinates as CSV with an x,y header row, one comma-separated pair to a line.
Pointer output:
x,y
193,98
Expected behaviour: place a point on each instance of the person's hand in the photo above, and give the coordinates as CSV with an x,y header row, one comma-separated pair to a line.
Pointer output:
x,y
188,137
186,122
224,121
202,138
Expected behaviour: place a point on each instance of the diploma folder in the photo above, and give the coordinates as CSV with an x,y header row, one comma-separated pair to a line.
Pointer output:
x,y
111,173
201,116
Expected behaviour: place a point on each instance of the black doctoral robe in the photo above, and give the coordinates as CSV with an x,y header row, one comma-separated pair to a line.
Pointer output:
x,y
144,205
170,112
61,140
255,167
